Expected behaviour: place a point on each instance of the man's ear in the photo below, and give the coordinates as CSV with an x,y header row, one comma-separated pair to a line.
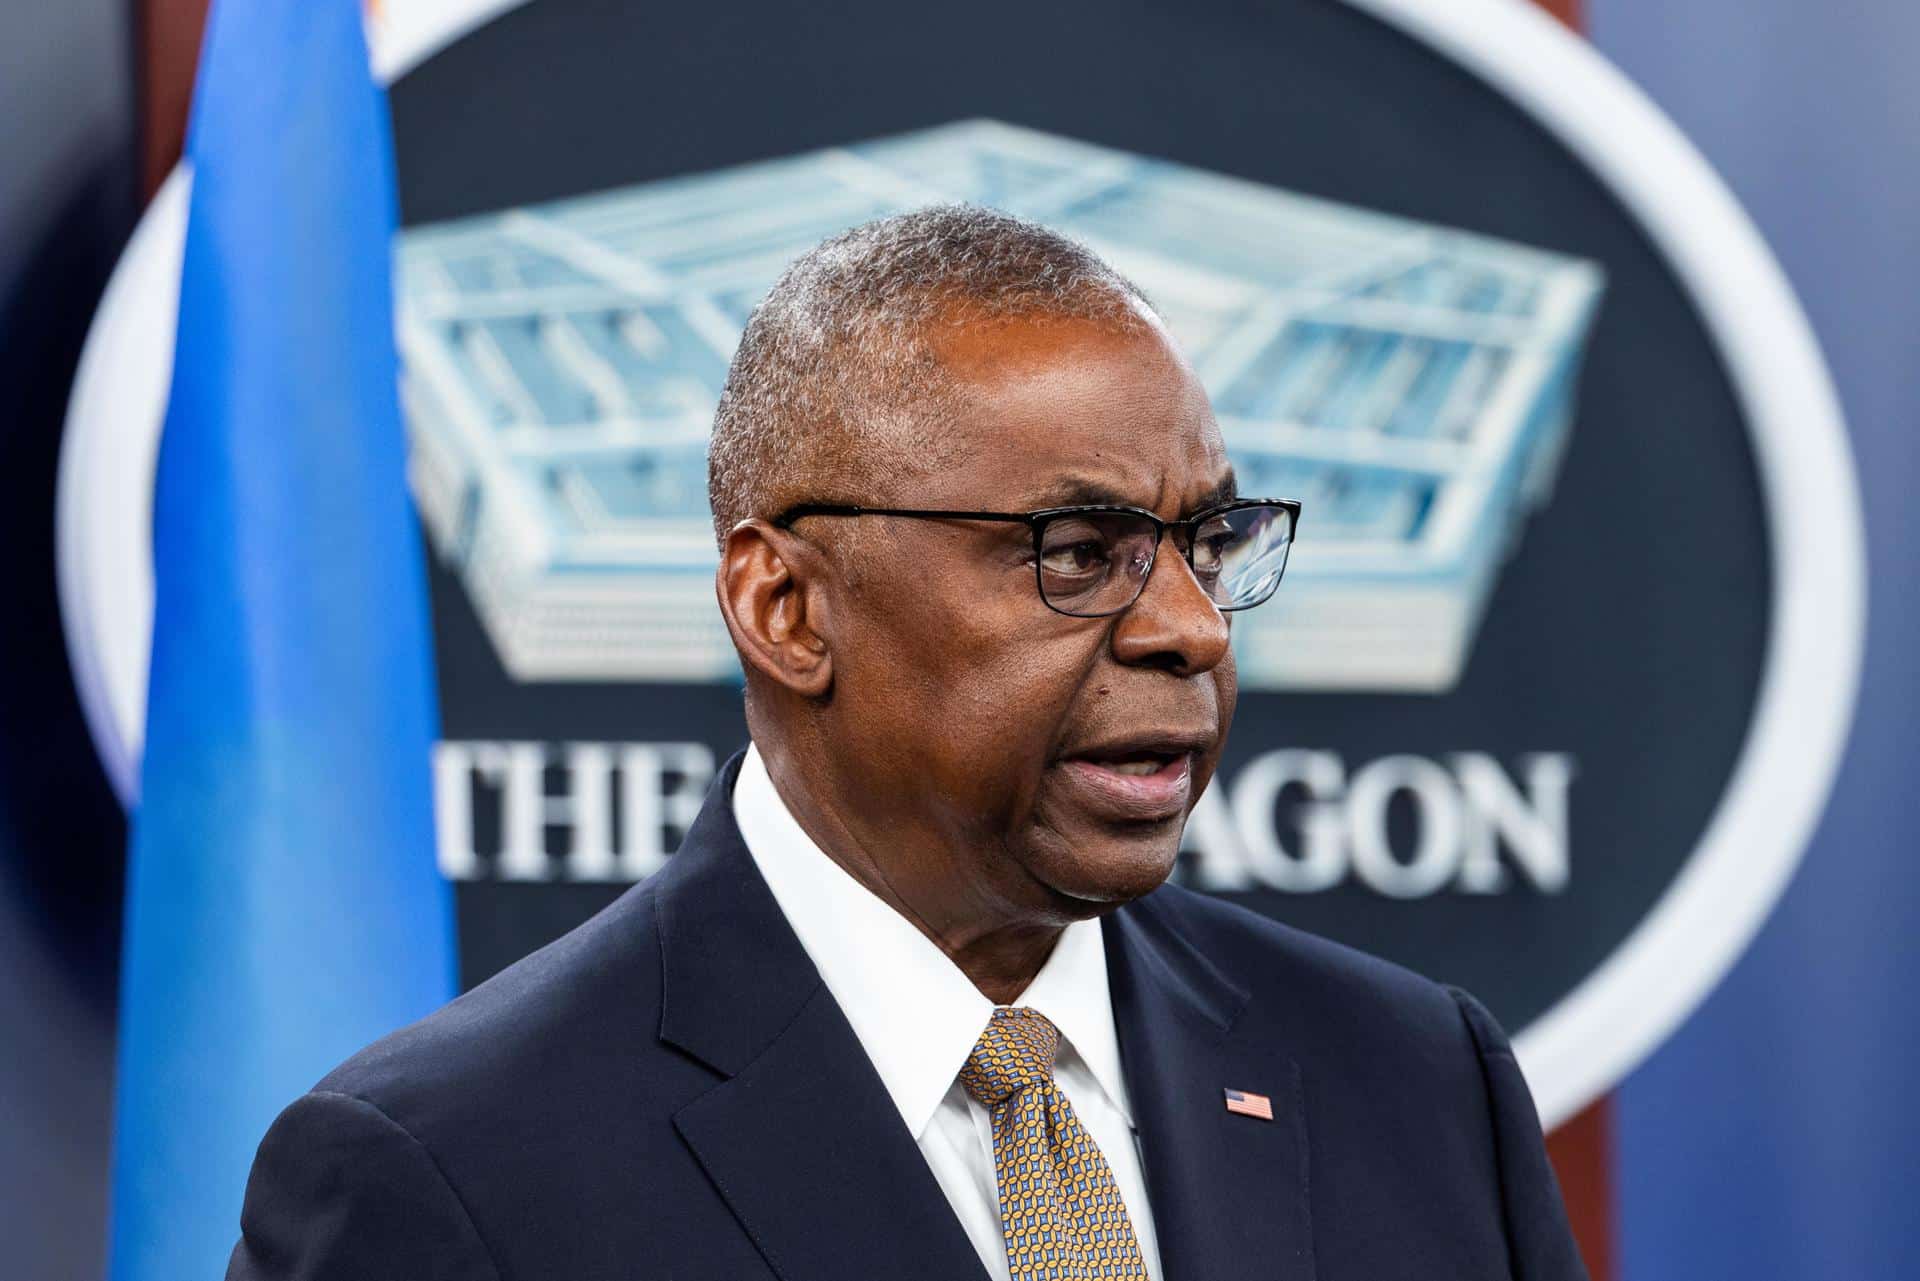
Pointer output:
x,y
771,594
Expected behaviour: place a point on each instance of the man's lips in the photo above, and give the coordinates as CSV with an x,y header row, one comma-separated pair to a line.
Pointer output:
x,y
1145,780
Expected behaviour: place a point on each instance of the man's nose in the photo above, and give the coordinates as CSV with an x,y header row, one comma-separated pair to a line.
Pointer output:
x,y
1173,624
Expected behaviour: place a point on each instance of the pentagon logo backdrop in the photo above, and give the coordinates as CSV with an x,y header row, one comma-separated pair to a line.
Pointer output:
x,y
1507,704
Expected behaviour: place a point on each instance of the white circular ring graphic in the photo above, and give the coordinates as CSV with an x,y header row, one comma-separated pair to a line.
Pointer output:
x,y
1598,1032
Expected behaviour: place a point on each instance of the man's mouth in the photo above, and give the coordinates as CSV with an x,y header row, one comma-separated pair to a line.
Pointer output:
x,y
1137,768
1133,783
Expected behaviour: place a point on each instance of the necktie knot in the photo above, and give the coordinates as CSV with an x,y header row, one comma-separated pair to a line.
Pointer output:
x,y
1016,1051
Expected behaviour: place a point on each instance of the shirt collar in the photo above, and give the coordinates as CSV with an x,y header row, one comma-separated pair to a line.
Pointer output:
x,y
916,1015
1071,990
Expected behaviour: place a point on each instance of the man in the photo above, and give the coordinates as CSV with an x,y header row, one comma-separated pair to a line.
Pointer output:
x,y
912,999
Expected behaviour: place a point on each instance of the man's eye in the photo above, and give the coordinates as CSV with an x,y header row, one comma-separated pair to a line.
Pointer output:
x,y
1209,546
1074,558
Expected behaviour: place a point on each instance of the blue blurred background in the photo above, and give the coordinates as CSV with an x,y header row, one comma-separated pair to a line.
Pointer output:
x,y
1733,1163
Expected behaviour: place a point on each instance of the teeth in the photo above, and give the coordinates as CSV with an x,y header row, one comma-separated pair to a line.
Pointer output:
x,y
1136,768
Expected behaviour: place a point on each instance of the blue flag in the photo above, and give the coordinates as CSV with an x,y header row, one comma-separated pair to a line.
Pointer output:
x,y
283,907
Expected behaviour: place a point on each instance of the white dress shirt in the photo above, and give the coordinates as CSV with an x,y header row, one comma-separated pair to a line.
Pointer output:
x,y
918,1017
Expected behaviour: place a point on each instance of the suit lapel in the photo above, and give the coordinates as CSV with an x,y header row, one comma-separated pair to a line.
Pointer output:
x,y
1228,1192
809,1151
801,1138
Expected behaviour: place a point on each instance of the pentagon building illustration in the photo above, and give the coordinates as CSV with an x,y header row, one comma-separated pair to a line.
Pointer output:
x,y
1411,384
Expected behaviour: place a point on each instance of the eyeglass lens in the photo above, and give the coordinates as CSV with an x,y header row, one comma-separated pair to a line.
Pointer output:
x,y
1096,563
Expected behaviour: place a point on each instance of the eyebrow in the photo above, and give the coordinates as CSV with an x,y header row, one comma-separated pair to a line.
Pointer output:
x,y
1225,491
1075,491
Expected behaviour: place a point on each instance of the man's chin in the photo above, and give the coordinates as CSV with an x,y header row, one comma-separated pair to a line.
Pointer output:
x,y
1098,871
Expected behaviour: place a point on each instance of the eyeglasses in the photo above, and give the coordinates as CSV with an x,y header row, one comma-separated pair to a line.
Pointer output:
x,y
1094,561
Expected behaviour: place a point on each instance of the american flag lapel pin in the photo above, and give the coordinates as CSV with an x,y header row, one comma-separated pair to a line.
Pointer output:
x,y
1246,1104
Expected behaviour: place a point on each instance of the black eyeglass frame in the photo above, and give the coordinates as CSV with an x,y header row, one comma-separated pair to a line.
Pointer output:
x,y
1038,521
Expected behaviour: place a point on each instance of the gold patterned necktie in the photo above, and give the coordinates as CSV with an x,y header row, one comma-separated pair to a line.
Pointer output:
x,y
1059,1207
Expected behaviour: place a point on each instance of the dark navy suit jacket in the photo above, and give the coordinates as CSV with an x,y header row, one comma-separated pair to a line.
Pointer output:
x,y
669,1091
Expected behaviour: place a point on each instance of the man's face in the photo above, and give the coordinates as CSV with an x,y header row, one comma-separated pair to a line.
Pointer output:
x,y
1051,760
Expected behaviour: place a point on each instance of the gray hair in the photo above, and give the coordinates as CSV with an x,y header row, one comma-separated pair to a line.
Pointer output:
x,y
836,386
